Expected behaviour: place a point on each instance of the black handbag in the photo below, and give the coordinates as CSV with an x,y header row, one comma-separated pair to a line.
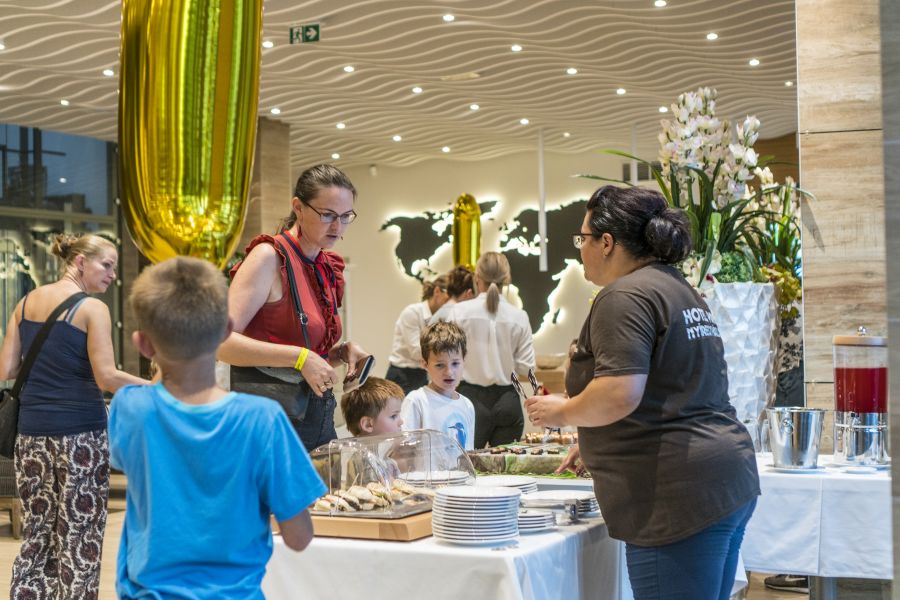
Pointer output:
x,y
9,398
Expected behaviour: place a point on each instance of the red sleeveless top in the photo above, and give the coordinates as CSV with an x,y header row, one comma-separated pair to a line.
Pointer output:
x,y
321,283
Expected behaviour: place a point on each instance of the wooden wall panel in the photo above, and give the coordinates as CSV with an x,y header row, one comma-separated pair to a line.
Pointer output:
x,y
838,65
844,264
271,187
843,242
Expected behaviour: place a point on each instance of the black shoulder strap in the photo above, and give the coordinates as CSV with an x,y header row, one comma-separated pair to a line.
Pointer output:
x,y
295,293
39,339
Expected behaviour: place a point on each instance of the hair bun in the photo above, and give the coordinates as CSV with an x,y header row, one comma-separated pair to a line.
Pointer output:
x,y
668,235
62,245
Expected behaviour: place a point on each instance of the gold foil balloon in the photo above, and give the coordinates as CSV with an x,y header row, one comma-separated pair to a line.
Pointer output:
x,y
189,79
466,231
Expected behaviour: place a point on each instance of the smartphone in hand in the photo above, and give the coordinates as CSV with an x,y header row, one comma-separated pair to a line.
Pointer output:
x,y
363,367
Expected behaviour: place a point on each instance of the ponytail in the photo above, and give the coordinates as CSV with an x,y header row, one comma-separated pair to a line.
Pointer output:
x,y
493,269
493,298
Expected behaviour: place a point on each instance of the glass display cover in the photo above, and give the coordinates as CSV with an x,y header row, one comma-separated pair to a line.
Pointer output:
x,y
388,476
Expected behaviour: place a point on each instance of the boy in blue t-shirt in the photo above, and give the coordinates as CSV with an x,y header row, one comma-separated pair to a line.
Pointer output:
x,y
205,467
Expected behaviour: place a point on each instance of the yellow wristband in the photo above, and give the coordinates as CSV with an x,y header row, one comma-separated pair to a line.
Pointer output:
x,y
301,359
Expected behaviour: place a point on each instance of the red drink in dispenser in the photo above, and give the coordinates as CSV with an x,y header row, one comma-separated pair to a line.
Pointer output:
x,y
861,390
860,399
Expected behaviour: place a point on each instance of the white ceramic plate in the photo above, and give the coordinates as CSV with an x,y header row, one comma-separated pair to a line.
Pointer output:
x,y
469,534
499,542
470,523
471,492
810,470
866,470
465,534
562,495
469,511
516,481
854,466
510,501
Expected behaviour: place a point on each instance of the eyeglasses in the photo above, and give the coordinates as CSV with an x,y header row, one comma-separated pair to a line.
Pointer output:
x,y
329,216
578,239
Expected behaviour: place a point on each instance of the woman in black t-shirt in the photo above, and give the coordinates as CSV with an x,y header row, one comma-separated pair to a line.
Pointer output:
x,y
674,470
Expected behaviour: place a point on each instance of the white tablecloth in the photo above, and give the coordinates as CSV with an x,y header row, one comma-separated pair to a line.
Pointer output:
x,y
625,592
828,523
573,562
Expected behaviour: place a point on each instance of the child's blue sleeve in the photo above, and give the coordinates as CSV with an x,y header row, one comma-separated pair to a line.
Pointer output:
x,y
289,483
115,448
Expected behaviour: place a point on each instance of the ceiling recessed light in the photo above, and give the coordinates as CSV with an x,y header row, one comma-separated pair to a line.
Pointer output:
x,y
417,90
524,121
445,149
275,111
335,156
620,91
397,138
2,46
516,48
474,107
659,3
566,134
571,71
62,180
268,44
108,72
663,109
64,102
349,69
754,62
448,18
789,83
712,36
341,125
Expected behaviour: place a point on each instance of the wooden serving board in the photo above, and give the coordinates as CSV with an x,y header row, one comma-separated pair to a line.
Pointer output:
x,y
406,529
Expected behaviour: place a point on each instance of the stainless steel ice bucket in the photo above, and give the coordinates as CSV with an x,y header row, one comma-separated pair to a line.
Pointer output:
x,y
794,435
861,438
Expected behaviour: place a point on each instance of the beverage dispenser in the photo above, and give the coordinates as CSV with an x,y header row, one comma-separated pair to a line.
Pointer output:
x,y
860,399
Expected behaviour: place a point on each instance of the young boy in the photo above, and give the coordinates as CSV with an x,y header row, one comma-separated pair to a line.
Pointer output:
x,y
205,467
438,405
373,408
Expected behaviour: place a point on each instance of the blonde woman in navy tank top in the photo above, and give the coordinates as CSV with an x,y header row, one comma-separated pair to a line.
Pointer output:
x,y
62,452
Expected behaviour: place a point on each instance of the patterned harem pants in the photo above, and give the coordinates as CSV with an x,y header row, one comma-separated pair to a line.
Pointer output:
x,y
64,484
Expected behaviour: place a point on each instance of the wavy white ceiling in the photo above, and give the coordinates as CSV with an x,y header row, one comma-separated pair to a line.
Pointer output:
x,y
58,49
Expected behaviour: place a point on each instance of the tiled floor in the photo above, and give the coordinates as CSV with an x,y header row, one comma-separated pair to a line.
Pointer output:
x,y
9,547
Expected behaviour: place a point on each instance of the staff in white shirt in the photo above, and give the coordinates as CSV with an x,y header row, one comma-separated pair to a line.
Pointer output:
x,y
499,342
406,356
460,287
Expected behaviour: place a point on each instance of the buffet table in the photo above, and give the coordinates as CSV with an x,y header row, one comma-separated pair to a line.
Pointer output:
x,y
572,562
827,523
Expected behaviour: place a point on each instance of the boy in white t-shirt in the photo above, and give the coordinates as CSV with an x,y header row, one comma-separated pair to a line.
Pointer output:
x,y
437,405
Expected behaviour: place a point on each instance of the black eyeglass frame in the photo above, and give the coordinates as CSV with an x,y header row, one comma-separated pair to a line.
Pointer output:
x,y
329,216
579,238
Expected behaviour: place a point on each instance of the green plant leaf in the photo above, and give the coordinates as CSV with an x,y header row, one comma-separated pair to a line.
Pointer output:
x,y
601,178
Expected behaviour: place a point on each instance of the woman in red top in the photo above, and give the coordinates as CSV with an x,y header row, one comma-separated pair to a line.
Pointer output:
x,y
284,301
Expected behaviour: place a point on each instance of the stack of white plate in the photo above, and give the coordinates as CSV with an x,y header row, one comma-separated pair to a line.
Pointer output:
x,y
471,515
524,484
586,501
533,520
436,478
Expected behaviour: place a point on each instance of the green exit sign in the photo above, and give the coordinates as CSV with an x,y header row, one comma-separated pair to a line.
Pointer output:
x,y
301,34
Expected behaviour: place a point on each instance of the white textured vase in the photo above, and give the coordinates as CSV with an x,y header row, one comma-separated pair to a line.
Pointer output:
x,y
746,314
